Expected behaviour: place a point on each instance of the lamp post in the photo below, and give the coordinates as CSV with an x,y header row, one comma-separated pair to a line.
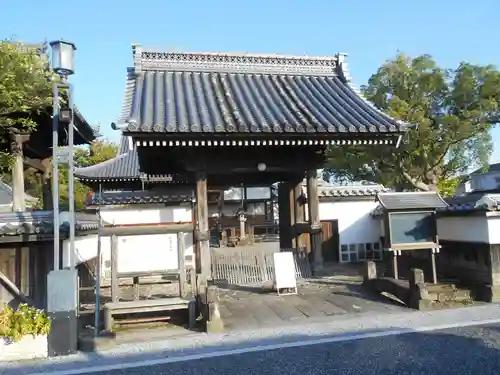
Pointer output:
x,y
63,65
62,284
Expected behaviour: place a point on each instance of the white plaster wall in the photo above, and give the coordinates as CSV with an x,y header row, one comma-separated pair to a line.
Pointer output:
x,y
230,209
147,215
463,228
142,254
494,230
486,181
356,225
146,245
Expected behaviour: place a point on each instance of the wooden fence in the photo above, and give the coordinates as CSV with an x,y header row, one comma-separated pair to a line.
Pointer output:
x,y
252,266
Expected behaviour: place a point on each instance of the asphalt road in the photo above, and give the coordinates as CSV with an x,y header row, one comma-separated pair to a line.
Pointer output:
x,y
471,350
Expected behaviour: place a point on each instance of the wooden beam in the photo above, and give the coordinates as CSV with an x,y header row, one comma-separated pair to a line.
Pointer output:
x,y
145,229
34,163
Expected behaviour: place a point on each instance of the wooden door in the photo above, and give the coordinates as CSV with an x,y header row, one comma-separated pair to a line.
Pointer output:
x,y
330,245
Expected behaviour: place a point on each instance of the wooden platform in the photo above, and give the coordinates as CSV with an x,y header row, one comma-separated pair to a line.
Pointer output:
x,y
146,306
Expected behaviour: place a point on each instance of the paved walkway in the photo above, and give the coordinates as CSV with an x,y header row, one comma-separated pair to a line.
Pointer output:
x,y
246,307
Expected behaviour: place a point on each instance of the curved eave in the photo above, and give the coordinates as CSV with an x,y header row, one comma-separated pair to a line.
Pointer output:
x,y
121,167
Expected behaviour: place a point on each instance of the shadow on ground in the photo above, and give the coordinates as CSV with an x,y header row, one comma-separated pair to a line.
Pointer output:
x,y
454,351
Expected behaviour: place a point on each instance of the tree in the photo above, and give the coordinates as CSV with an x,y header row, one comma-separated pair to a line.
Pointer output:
x,y
25,89
99,151
453,111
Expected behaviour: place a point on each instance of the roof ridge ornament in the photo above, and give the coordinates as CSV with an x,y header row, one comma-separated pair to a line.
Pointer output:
x,y
149,59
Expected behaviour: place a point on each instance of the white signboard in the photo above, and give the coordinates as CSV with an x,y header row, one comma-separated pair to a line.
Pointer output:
x,y
284,272
62,290
147,253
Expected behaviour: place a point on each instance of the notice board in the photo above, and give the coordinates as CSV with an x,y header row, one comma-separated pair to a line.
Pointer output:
x,y
284,271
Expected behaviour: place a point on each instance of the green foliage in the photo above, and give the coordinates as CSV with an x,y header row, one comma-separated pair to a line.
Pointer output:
x,y
448,187
454,109
25,88
26,320
99,151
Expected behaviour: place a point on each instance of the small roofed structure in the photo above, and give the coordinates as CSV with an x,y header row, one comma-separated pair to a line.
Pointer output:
x,y
410,223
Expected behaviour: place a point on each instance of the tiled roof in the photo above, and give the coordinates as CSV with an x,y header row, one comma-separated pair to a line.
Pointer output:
x,y
360,189
110,198
41,222
411,200
6,195
125,166
244,93
474,202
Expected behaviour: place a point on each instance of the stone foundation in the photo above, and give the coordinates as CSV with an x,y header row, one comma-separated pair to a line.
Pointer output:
x,y
414,292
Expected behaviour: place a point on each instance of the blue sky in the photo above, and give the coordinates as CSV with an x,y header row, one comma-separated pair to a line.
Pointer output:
x,y
369,31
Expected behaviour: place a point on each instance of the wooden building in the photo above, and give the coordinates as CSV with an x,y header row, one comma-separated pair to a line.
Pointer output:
x,y
245,119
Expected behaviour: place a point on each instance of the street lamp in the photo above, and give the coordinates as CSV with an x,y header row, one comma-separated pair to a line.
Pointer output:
x,y
63,54
63,64
261,167
62,285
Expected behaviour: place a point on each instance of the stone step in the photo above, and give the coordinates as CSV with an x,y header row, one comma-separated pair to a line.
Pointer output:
x,y
449,294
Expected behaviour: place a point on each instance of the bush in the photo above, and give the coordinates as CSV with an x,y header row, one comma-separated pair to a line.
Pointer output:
x,y
26,320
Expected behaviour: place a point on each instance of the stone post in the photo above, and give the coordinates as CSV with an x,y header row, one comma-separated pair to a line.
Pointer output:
x,y
16,148
370,271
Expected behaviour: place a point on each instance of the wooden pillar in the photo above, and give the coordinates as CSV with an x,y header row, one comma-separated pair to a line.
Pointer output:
x,y
181,253
202,233
299,213
313,207
291,218
16,148
47,185
284,213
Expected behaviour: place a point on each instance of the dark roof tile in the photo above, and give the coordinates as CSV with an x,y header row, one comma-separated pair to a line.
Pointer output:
x,y
110,198
230,93
411,200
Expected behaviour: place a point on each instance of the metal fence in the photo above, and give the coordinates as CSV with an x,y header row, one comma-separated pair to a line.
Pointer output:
x,y
253,265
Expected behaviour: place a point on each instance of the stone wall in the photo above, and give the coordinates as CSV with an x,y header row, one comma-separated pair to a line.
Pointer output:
x,y
473,263
468,262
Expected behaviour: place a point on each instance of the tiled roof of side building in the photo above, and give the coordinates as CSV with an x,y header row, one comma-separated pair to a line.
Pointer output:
x,y
124,166
411,200
246,93
42,222
355,189
476,201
